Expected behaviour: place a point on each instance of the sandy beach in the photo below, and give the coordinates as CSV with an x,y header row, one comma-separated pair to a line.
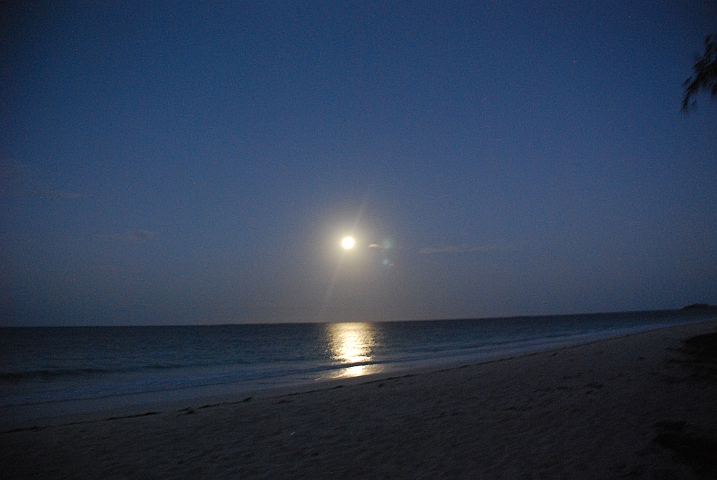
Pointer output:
x,y
638,406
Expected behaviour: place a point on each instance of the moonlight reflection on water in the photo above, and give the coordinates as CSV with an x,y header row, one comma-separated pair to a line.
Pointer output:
x,y
352,344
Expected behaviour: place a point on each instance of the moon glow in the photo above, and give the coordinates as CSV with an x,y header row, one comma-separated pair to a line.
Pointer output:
x,y
348,243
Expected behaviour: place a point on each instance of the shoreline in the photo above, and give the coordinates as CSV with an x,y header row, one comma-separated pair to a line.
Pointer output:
x,y
592,410
52,412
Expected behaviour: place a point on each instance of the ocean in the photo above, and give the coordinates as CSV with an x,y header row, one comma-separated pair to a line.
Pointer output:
x,y
58,370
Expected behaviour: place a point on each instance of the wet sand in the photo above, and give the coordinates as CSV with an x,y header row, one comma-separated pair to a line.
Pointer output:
x,y
638,406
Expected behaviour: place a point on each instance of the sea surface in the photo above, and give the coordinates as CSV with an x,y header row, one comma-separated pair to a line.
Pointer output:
x,y
48,371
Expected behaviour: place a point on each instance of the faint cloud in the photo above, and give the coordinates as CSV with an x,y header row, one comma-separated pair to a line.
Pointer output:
x,y
134,236
49,194
464,249
19,179
384,245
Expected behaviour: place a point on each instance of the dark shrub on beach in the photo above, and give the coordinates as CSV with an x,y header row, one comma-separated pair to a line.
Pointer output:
x,y
704,347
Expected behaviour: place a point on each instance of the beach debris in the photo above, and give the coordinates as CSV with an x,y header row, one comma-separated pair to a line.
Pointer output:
x,y
25,429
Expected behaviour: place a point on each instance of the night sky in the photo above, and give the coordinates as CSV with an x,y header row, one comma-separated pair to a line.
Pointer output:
x,y
200,162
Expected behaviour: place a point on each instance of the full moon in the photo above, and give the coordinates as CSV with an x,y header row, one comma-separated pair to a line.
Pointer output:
x,y
348,243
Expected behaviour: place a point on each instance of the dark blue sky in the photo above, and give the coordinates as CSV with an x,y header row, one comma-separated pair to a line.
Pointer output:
x,y
173,163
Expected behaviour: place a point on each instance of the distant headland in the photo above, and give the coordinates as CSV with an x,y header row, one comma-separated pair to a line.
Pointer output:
x,y
700,306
